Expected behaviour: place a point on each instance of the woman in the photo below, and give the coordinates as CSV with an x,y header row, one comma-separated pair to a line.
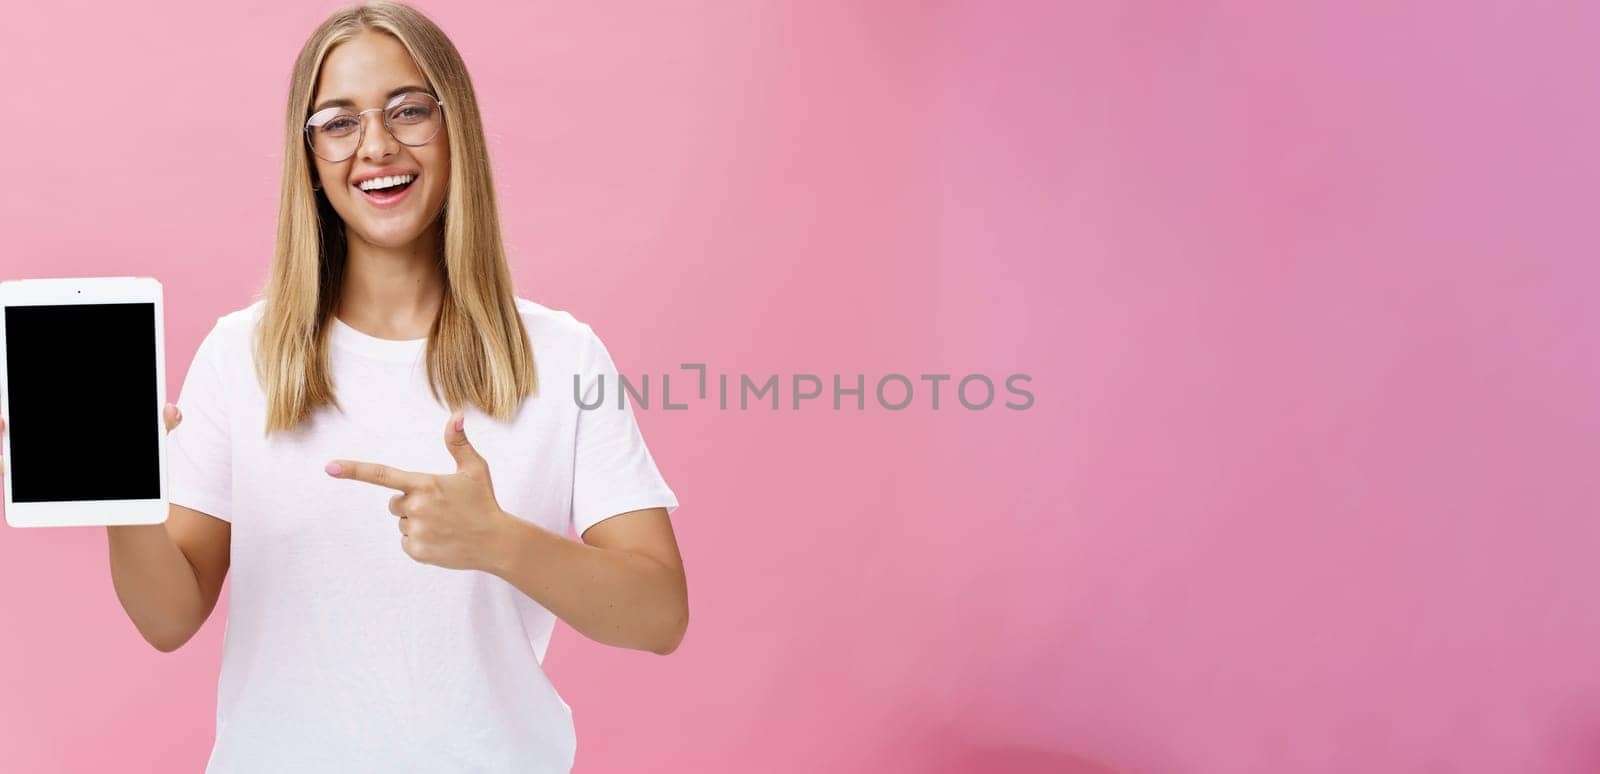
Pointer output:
x,y
391,603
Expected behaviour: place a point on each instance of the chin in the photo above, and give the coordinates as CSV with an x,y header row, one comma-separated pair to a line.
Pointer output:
x,y
391,238
397,230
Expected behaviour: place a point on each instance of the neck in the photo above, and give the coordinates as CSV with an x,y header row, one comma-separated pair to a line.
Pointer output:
x,y
392,292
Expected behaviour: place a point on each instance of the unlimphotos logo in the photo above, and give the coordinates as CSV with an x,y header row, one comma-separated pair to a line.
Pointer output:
x,y
893,392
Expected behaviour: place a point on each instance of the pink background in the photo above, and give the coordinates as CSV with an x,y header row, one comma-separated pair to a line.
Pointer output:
x,y
1308,296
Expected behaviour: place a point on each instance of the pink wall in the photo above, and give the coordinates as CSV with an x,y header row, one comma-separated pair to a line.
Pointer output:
x,y
1308,297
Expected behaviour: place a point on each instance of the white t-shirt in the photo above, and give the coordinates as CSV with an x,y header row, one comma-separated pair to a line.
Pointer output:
x,y
343,654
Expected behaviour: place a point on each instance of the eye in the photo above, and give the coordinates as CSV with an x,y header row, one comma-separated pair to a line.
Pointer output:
x,y
410,113
339,125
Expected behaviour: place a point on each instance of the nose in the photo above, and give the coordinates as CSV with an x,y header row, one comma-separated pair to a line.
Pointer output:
x,y
376,142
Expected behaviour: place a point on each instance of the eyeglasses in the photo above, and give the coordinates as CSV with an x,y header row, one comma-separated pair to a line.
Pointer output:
x,y
412,118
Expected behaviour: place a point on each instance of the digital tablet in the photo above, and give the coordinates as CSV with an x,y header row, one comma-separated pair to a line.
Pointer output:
x,y
82,383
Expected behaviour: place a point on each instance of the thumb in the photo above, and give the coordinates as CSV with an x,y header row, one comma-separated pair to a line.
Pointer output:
x,y
455,439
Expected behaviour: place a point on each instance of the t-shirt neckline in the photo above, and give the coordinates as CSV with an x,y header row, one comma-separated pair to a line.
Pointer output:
x,y
397,350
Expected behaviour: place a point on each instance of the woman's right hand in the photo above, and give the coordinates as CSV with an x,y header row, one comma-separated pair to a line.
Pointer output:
x,y
170,416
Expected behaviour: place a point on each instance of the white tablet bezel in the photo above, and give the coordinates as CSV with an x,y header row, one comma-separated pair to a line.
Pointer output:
x,y
85,290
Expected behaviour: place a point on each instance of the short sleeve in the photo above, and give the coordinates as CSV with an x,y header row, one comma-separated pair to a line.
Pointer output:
x,y
613,472
199,452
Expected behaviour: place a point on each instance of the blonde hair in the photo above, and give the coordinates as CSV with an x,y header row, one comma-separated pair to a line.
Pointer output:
x,y
477,349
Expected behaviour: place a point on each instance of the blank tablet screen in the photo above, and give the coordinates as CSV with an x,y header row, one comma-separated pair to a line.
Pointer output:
x,y
83,417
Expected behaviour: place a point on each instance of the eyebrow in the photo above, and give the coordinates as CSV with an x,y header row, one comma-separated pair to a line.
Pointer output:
x,y
395,92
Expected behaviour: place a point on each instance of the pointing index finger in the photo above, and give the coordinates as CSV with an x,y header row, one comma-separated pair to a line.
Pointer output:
x,y
375,473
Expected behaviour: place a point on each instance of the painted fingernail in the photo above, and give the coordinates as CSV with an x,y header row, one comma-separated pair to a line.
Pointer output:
x,y
333,469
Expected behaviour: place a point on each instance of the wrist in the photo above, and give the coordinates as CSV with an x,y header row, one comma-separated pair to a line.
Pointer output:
x,y
512,538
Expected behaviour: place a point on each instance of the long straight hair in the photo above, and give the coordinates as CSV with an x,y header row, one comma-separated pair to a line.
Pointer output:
x,y
477,349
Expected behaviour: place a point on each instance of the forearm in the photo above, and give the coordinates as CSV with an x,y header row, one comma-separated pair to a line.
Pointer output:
x,y
156,584
614,597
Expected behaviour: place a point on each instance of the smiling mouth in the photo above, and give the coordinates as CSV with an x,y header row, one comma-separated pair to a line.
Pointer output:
x,y
390,191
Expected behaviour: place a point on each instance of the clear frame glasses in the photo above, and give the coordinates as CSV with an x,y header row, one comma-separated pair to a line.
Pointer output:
x,y
413,119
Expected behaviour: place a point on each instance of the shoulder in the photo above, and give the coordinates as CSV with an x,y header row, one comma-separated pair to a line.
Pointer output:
x,y
556,331
556,322
240,321
233,332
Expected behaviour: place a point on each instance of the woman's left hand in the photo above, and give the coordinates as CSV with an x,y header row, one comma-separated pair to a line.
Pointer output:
x,y
450,520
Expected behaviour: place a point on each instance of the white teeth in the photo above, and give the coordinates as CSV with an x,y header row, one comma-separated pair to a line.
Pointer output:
x,y
386,182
